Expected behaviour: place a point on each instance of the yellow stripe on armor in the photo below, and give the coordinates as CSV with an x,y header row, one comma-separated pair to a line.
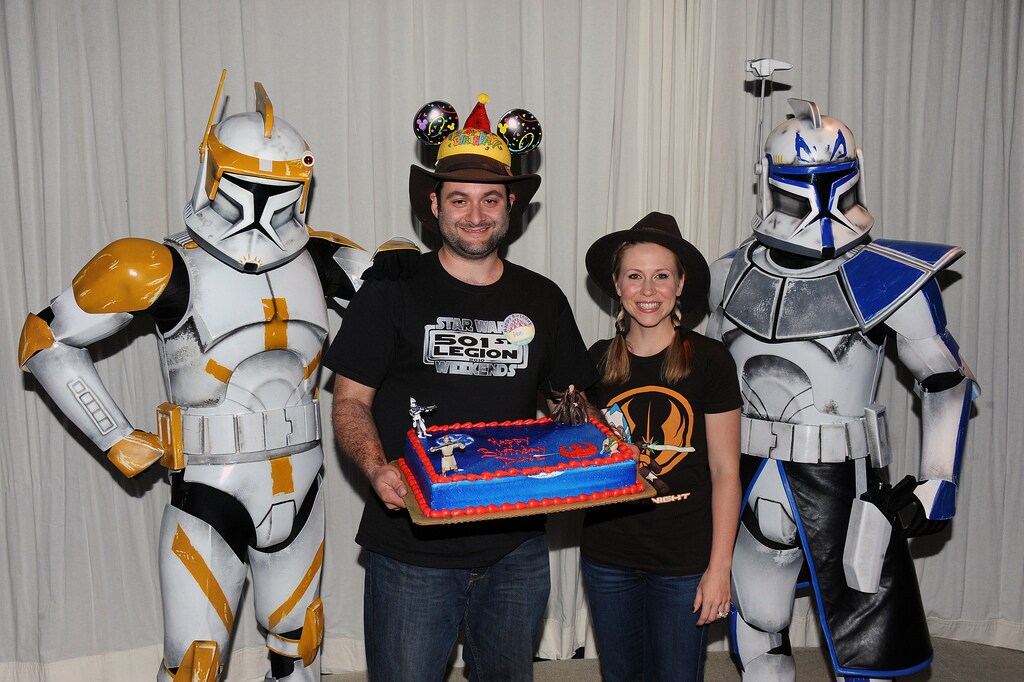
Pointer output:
x,y
282,638
277,650
218,371
135,453
36,335
224,159
213,113
333,238
201,663
266,110
276,312
312,632
283,483
168,423
304,584
311,367
124,277
196,565
396,244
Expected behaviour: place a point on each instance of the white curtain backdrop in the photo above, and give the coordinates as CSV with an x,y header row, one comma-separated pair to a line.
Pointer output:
x,y
645,106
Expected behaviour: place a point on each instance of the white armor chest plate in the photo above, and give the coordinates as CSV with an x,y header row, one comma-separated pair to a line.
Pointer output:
x,y
249,342
817,381
802,357
242,366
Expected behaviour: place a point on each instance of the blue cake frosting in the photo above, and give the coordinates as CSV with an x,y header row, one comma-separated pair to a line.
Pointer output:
x,y
509,466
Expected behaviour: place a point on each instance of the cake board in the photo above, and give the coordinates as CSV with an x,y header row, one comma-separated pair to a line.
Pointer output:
x,y
419,517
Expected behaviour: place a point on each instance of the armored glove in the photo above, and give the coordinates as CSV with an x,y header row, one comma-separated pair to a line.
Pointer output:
x,y
903,509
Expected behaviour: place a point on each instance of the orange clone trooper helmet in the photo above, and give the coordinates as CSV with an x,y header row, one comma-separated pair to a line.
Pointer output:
x,y
249,203
811,199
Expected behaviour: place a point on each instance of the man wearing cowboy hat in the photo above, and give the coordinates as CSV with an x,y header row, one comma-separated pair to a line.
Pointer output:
x,y
477,336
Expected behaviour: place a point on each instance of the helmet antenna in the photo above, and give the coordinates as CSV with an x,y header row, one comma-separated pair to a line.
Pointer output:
x,y
266,109
762,70
213,112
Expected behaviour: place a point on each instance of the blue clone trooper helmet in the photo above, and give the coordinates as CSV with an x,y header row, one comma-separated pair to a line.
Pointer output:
x,y
811,197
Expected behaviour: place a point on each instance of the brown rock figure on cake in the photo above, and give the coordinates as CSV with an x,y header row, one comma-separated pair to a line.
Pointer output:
x,y
570,406
479,337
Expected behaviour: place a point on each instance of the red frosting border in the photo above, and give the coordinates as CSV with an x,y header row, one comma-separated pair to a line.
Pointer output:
x,y
507,506
622,452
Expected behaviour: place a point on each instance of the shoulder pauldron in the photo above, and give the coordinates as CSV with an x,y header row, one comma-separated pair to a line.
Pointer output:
x,y
860,291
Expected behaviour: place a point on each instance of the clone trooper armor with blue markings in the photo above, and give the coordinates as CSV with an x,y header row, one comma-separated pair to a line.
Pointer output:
x,y
806,308
239,304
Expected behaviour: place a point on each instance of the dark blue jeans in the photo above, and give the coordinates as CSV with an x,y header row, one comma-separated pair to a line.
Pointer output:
x,y
644,624
412,615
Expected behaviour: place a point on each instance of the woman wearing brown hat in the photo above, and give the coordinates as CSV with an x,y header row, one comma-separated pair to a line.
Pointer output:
x,y
657,571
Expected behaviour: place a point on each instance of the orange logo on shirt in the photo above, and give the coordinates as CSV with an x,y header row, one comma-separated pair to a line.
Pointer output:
x,y
657,415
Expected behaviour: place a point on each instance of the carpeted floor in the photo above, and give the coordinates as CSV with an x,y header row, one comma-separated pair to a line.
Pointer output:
x,y
954,662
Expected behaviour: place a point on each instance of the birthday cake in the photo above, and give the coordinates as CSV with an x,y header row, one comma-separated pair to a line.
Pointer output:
x,y
463,470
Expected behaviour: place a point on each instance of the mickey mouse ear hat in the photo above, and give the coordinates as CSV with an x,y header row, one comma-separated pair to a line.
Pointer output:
x,y
473,154
655,228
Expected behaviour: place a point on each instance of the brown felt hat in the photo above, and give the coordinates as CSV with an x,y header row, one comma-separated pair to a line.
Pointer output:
x,y
468,166
473,154
655,228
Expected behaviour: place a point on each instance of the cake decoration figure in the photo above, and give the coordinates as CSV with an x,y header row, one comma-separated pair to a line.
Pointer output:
x,y
610,445
416,411
570,406
447,445
653,461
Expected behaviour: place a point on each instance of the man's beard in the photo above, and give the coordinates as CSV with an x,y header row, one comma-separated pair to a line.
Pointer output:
x,y
453,238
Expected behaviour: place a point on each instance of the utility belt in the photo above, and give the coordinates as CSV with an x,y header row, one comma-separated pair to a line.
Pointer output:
x,y
866,436
868,530
191,438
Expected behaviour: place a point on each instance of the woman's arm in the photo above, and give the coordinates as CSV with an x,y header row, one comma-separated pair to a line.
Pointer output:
x,y
723,433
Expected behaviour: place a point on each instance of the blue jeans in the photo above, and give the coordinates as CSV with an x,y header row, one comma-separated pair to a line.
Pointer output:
x,y
645,625
412,615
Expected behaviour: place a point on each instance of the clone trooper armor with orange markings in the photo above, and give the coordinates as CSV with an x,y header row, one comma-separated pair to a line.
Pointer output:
x,y
239,304
806,308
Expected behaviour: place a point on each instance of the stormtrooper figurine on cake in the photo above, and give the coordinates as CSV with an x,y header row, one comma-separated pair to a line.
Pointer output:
x,y
806,308
238,302
416,412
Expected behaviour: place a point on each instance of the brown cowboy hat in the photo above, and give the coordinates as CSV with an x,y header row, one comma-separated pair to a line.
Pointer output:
x,y
656,228
469,167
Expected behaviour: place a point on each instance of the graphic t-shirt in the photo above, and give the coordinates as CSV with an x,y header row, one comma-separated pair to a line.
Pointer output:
x,y
477,353
669,534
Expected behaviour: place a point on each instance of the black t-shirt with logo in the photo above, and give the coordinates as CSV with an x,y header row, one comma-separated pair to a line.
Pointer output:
x,y
669,534
480,354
